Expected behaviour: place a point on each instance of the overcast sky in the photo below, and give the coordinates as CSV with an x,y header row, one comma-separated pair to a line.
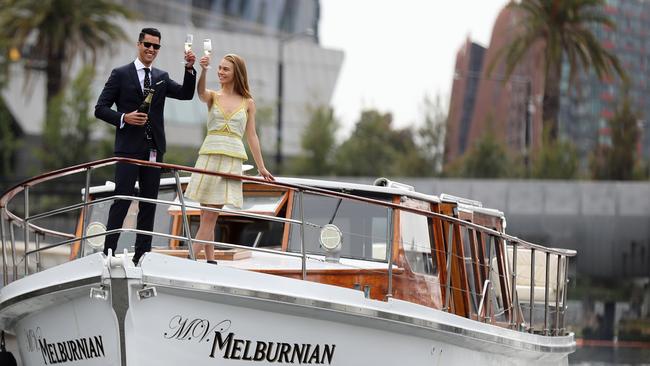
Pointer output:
x,y
398,51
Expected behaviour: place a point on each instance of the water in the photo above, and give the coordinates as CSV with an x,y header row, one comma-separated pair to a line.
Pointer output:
x,y
610,356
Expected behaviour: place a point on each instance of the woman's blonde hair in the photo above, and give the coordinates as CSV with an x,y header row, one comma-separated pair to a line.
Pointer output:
x,y
240,75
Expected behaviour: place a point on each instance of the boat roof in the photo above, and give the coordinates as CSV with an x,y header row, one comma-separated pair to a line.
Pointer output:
x,y
380,186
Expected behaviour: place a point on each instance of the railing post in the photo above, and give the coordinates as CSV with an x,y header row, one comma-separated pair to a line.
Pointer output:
x,y
483,307
548,260
565,290
84,217
12,235
5,271
532,290
490,250
557,296
450,242
389,246
302,235
186,223
37,241
26,230
514,321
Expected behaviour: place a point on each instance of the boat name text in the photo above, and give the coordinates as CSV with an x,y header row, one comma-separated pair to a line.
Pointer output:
x,y
73,350
186,329
233,348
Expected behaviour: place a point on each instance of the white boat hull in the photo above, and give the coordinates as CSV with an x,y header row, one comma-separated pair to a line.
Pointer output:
x,y
214,315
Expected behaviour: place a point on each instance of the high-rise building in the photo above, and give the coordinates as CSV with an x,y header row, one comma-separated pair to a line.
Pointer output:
x,y
266,33
483,100
587,103
469,62
261,17
512,110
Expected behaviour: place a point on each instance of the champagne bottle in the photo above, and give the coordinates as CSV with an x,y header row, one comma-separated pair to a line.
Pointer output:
x,y
146,104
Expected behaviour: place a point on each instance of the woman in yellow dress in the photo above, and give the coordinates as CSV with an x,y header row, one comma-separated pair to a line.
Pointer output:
x,y
231,115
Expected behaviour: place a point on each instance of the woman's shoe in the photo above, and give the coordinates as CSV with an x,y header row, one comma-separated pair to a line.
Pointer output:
x,y
211,261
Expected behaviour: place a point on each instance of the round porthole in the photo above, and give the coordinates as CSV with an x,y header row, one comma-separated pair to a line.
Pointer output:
x,y
330,237
95,228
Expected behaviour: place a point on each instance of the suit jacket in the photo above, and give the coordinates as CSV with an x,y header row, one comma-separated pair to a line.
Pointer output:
x,y
123,89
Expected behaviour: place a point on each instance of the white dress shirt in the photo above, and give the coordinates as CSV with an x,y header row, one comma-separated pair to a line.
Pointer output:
x,y
139,67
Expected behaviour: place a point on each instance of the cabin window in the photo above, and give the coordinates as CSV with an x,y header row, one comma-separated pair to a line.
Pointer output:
x,y
416,241
162,223
238,229
363,225
469,259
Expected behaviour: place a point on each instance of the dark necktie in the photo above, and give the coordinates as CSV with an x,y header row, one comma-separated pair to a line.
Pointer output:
x,y
147,81
147,86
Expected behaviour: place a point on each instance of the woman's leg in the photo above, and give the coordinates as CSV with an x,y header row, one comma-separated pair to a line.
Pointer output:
x,y
209,249
206,232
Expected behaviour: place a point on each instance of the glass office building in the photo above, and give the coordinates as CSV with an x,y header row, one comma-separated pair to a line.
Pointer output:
x,y
589,103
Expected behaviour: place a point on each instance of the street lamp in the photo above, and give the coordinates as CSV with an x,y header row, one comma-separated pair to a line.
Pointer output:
x,y
282,40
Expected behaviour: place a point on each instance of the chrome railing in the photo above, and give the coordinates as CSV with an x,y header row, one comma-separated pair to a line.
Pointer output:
x,y
493,287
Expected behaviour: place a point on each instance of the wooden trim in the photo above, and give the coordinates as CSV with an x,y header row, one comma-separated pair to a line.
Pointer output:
x,y
283,201
476,268
287,227
398,249
503,278
459,279
459,284
75,246
338,271
440,247
175,230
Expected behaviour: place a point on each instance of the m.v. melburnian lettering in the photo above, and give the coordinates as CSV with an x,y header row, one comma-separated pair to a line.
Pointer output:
x,y
233,348
73,350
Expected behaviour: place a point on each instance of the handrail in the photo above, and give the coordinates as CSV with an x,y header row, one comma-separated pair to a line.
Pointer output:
x,y
509,291
37,229
104,162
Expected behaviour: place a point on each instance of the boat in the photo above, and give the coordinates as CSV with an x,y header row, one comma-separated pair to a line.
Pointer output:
x,y
310,272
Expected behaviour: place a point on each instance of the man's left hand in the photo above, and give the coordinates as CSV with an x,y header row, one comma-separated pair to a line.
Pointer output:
x,y
189,58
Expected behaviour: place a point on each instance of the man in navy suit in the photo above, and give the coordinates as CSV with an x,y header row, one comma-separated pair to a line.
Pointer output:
x,y
140,135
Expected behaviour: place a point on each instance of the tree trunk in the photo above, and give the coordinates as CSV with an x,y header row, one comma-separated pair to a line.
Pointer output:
x,y
54,70
551,103
54,85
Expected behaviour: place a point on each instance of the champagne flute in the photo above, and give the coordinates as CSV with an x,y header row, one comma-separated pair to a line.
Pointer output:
x,y
207,48
188,44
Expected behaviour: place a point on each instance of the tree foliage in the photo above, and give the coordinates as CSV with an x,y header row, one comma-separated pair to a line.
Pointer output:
x,y
319,144
565,29
376,149
618,160
431,135
51,34
368,151
486,159
9,140
556,159
69,124
57,31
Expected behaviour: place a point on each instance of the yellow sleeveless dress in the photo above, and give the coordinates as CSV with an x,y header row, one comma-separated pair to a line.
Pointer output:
x,y
222,151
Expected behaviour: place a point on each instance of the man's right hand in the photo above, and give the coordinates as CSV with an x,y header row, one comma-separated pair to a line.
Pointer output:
x,y
135,118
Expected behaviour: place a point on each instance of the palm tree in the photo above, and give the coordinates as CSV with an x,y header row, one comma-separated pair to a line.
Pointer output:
x,y
564,30
57,31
